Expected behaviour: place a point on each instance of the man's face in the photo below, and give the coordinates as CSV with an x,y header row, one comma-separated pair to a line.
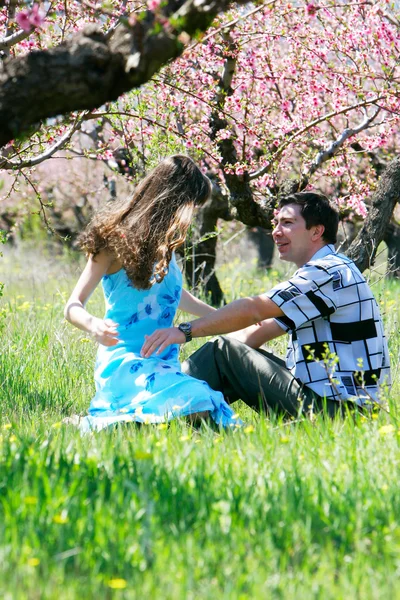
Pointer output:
x,y
295,243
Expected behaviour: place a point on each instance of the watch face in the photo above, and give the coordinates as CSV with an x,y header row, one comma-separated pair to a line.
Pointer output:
x,y
186,328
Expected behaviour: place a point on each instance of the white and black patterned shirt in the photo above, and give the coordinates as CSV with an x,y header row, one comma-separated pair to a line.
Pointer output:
x,y
328,304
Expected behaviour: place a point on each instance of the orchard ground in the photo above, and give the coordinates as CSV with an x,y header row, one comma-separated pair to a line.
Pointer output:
x,y
273,510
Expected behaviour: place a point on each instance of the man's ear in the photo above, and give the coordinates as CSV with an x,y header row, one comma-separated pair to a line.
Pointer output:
x,y
318,232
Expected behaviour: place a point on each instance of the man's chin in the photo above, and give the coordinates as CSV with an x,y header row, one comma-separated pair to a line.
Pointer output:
x,y
283,255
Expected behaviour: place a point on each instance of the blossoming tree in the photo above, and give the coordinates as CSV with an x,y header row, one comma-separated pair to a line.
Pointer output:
x,y
274,97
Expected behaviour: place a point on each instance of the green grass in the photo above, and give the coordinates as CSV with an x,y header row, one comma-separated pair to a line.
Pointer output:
x,y
276,510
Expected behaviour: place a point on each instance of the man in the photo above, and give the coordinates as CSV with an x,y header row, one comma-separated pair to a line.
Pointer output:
x,y
337,353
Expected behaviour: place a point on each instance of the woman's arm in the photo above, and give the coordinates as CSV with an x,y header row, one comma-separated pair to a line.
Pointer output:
x,y
257,335
103,331
194,306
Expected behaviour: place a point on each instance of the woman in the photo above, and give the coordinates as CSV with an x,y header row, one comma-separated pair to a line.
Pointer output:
x,y
131,251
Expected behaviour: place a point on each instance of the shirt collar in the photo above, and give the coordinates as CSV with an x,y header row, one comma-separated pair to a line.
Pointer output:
x,y
324,251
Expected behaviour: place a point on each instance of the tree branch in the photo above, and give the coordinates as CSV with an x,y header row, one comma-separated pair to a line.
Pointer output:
x,y
335,146
64,139
90,69
13,39
309,126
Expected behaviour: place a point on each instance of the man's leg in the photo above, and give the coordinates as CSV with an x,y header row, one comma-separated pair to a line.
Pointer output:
x,y
257,377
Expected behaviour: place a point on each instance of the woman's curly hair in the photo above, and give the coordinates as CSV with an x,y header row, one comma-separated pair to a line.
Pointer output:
x,y
143,232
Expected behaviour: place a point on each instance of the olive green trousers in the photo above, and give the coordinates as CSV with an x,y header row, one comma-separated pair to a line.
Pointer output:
x,y
257,377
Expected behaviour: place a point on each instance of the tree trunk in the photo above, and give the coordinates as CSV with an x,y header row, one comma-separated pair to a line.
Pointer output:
x,y
262,240
363,249
200,260
392,240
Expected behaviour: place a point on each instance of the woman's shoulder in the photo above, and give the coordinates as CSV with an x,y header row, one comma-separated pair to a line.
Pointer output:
x,y
106,260
114,267
109,261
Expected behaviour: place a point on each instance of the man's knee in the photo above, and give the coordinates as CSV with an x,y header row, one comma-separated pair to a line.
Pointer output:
x,y
207,352
229,347
197,361
203,365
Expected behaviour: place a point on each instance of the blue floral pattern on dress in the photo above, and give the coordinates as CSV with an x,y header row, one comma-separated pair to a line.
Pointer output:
x,y
138,364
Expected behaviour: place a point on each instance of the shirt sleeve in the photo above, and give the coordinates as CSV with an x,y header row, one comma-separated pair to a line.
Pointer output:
x,y
306,296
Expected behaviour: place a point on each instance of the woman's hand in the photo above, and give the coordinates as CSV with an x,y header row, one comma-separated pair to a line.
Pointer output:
x,y
161,339
104,331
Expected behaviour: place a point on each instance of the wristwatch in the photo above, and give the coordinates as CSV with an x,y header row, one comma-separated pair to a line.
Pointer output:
x,y
186,328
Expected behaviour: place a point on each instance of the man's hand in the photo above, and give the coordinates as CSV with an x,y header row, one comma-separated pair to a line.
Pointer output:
x,y
161,339
104,331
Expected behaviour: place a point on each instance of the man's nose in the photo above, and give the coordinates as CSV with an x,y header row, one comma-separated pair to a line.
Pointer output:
x,y
276,231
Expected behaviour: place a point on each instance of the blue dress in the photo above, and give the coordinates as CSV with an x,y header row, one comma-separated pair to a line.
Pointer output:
x,y
146,390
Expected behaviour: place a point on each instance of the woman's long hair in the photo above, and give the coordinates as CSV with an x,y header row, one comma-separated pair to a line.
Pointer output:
x,y
142,232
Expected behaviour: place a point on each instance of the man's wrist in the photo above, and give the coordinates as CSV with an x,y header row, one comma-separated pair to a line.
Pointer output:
x,y
186,329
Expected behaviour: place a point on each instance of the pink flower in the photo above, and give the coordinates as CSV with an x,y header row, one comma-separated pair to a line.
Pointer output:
x,y
311,9
23,21
239,170
30,19
36,17
153,4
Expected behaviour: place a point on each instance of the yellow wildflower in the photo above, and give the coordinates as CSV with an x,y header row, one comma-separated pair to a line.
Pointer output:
x,y
33,562
60,519
249,429
117,584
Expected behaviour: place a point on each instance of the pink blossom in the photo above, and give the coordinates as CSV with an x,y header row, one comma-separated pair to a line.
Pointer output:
x,y
23,21
239,170
30,19
153,4
318,66
311,9
36,17
132,20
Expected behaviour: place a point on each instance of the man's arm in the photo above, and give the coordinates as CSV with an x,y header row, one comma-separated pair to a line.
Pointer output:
x,y
237,315
257,335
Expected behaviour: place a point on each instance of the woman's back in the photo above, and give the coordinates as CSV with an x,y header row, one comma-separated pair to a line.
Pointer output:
x,y
140,312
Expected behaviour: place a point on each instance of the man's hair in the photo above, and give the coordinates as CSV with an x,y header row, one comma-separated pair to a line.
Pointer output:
x,y
315,210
